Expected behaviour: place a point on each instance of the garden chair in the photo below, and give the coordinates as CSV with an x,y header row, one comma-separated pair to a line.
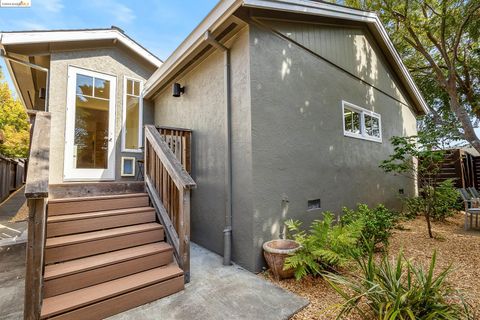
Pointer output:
x,y
469,203
474,192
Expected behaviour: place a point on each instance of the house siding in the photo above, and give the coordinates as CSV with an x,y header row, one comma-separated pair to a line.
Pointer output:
x,y
351,48
112,61
299,151
202,109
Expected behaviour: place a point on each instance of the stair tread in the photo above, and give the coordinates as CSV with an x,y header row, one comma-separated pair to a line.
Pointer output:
x,y
104,197
82,297
102,234
95,214
83,264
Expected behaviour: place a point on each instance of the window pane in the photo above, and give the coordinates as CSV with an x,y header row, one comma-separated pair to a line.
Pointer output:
x,y
352,121
132,122
84,85
372,126
91,132
127,166
136,88
102,88
129,86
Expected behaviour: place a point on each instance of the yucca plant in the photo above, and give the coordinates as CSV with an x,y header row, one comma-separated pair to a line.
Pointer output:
x,y
398,289
324,246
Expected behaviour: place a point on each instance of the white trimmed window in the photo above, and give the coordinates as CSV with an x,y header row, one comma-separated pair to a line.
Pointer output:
x,y
361,123
132,115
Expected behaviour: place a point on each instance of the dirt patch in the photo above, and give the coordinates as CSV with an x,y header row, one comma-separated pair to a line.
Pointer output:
x,y
454,246
21,215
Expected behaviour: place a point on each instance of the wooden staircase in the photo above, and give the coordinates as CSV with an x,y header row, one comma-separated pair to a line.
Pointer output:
x,y
104,255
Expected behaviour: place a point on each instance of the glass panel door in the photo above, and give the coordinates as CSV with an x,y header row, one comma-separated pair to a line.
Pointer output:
x,y
90,126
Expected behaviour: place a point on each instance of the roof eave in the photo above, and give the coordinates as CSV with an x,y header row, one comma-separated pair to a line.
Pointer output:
x,y
30,37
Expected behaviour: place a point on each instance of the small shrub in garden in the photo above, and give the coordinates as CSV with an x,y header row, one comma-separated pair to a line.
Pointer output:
x,y
323,246
398,290
443,201
377,223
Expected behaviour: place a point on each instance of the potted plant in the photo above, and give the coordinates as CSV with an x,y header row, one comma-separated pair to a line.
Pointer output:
x,y
275,253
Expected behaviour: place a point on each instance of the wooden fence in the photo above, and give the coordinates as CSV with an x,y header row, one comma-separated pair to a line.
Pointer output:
x,y
12,176
462,167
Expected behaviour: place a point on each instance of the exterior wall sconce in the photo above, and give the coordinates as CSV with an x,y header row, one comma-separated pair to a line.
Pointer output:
x,y
178,90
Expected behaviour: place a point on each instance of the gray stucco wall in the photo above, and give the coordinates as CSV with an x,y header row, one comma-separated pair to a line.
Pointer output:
x,y
111,61
202,109
299,151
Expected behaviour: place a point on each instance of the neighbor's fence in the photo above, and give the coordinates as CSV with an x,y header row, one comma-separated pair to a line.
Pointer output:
x,y
12,176
462,167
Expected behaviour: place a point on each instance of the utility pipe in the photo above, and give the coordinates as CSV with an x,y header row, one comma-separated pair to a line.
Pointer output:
x,y
227,231
33,66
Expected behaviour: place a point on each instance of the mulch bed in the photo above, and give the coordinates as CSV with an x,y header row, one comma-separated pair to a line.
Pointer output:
x,y
454,246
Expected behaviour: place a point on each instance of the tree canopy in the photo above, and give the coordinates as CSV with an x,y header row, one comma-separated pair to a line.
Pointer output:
x,y
13,123
439,43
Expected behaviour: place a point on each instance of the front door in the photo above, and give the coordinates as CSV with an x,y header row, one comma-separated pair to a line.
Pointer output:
x,y
90,126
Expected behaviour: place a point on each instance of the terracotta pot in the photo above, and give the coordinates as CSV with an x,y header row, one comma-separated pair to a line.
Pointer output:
x,y
275,252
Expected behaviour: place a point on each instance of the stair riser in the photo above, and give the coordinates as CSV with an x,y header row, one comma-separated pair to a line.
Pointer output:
x,y
79,250
85,225
112,306
92,277
84,205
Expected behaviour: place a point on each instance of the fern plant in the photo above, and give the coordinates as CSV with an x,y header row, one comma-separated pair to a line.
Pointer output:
x,y
324,246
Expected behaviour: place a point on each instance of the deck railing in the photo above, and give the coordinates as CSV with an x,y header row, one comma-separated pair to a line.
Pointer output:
x,y
36,192
179,140
169,185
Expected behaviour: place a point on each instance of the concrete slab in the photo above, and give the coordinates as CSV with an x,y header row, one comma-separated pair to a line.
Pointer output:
x,y
12,233
12,281
218,292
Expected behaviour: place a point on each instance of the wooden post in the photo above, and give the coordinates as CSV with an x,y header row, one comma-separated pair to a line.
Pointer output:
x,y
34,259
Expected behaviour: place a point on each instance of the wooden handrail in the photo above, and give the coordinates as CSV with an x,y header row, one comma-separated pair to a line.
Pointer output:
x,y
179,140
169,185
36,192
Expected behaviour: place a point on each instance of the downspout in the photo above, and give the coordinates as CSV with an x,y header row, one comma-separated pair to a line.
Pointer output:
x,y
33,66
227,231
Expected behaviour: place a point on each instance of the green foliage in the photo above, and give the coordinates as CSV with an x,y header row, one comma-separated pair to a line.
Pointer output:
x,y
444,202
427,147
398,289
323,246
14,124
377,223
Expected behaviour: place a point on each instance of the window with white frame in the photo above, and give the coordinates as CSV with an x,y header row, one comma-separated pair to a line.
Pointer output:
x,y
132,116
361,123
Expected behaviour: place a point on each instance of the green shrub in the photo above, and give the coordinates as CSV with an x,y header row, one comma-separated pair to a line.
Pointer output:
x,y
398,290
323,246
377,223
444,202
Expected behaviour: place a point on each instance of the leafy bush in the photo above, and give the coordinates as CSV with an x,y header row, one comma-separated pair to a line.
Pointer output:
x,y
323,246
377,223
398,290
444,202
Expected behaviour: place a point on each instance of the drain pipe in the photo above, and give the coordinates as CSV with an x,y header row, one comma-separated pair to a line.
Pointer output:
x,y
227,231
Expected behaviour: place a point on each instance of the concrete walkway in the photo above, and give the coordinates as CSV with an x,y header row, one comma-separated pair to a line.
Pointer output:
x,y
218,292
12,281
12,232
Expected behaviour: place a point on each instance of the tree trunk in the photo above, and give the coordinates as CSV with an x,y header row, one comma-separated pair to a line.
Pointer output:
x,y
462,115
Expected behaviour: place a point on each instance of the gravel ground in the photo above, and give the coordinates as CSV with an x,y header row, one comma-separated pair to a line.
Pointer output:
x,y
454,246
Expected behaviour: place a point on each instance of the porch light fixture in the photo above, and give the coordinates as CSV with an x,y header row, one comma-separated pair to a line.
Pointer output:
x,y
178,90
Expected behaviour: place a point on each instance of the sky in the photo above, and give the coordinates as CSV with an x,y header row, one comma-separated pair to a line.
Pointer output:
x,y
160,26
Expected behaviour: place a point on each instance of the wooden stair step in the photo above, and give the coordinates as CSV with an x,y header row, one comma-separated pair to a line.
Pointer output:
x,y
91,221
101,300
84,272
98,203
75,246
